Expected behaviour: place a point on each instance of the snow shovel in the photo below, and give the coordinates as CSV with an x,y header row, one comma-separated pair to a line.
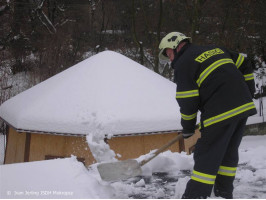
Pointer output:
x,y
121,170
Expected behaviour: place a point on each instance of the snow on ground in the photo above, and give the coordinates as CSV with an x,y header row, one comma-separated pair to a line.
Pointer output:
x,y
163,177
60,178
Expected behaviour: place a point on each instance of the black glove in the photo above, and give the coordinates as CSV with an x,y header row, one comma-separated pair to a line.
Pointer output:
x,y
187,135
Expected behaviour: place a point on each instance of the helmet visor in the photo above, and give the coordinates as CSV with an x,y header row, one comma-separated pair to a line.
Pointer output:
x,y
163,57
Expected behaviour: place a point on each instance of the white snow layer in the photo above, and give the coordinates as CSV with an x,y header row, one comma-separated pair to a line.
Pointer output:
x,y
68,178
108,93
59,178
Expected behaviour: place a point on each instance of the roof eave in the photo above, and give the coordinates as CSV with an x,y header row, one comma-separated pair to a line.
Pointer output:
x,y
84,135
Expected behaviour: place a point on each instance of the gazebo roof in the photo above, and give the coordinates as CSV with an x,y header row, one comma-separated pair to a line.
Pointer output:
x,y
107,93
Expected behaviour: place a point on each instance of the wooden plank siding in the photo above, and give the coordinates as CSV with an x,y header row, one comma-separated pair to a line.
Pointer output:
x,y
135,146
59,146
15,149
24,147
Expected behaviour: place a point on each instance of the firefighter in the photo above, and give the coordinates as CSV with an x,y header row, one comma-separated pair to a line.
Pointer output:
x,y
220,84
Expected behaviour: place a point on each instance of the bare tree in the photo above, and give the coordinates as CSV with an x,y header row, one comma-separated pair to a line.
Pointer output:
x,y
134,33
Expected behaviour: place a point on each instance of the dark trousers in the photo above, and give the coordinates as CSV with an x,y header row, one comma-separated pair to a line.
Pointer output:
x,y
216,158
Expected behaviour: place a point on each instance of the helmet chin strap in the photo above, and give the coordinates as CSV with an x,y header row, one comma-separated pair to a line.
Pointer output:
x,y
175,53
175,56
178,48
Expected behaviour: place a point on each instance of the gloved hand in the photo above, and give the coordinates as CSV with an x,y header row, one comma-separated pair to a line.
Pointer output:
x,y
187,135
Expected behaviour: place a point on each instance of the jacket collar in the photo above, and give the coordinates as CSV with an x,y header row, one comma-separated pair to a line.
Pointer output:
x,y
180,53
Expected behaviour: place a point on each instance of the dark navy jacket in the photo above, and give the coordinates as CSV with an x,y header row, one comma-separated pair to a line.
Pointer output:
x,y
217,82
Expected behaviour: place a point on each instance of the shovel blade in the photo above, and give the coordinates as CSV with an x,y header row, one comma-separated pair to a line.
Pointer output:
x,y
121,170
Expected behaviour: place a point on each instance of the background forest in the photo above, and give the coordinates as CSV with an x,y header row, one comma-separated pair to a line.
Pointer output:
x,y
40,38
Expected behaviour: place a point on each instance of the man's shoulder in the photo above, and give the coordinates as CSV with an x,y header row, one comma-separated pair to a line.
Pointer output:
x,y
196,47
202,52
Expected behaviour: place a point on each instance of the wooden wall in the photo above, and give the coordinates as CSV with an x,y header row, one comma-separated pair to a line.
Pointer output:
x,y
24,147
15,149
189,143
41,146
135,146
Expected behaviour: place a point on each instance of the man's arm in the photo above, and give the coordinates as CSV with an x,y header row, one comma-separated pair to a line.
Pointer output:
x,y
187,96
245,67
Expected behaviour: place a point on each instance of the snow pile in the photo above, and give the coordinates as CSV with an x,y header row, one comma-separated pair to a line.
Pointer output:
x,y
173,161
180,187
60,178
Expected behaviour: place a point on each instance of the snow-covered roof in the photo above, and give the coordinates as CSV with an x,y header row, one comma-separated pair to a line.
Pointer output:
x,y
108,93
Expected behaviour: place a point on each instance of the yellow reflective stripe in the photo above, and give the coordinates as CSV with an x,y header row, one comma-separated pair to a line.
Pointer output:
x,y
248,77
188,117
227,171
240,60
186,94
211,68
229,114
199,124
203,178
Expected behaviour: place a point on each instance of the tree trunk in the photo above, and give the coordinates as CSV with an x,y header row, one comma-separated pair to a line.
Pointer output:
x,y
158,37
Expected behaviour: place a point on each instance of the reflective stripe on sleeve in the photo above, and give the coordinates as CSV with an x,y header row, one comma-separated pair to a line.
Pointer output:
x,y
187,94
227,171
211,68
248,77
203,178
228,114
240,60
188,117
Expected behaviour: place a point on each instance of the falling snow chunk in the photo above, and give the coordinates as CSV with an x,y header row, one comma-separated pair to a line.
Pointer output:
x,y
140,183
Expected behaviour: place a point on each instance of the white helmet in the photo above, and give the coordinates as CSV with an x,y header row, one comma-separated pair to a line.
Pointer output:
x,y
171,40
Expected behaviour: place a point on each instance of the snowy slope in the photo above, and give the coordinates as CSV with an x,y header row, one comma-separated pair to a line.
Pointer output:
x,y
107,93
164,177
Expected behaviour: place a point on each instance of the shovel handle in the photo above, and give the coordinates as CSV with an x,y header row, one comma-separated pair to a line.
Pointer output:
x,y
163,148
